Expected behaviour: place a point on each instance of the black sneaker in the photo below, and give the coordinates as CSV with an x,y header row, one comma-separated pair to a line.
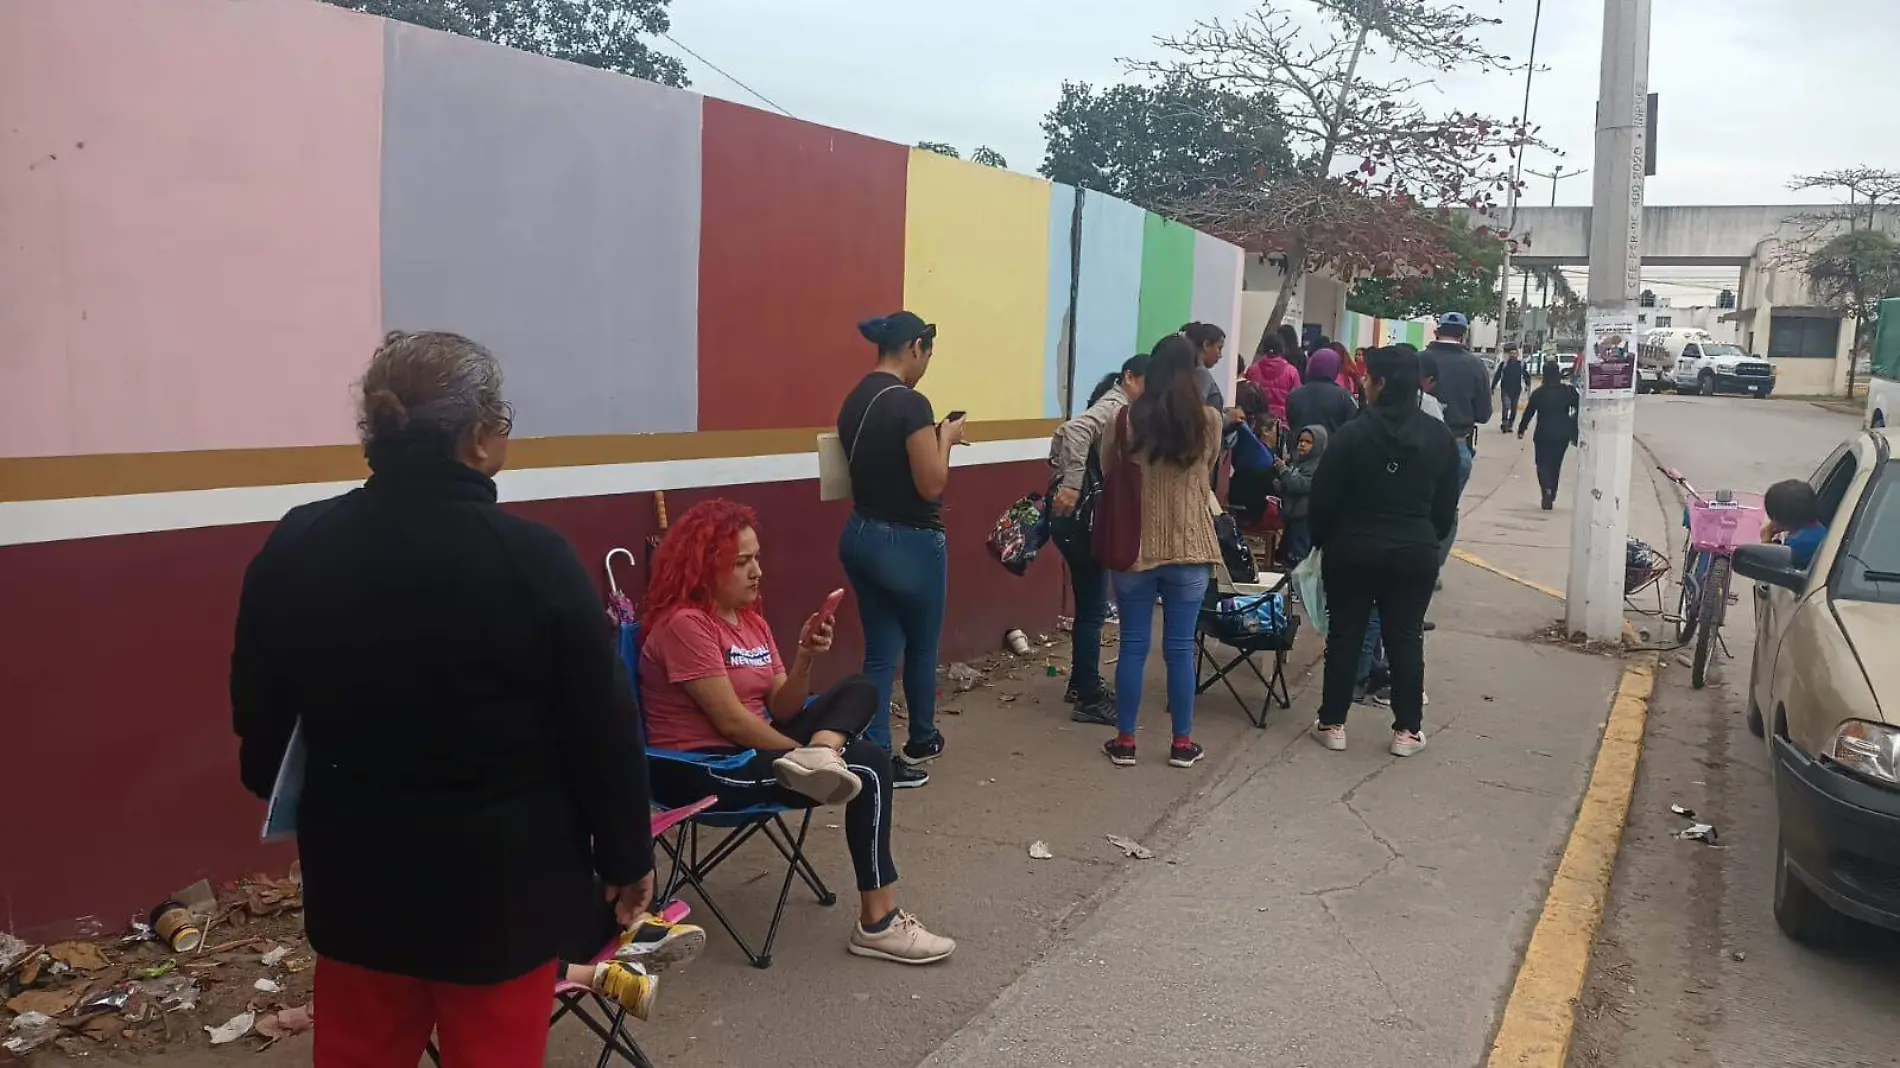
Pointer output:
x,y
1185,754
1099,713
905,777
915,753
1102,692
1120,753
1429,626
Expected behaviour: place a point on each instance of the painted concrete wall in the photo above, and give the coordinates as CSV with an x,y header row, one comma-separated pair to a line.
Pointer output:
x,y
215,209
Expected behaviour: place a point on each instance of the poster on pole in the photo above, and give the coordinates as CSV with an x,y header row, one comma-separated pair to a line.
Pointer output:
x,y
1610,361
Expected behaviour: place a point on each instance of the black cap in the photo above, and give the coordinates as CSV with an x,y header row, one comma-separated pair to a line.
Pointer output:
x,y
892,332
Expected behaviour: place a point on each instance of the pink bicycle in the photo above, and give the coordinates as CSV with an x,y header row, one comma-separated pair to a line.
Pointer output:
x,y
1717,525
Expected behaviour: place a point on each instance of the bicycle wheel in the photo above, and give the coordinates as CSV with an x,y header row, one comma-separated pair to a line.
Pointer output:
x,y
1689,605
1714,601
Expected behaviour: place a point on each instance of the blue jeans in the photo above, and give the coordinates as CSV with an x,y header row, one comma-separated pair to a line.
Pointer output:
x,y
1465,457
1089,581
1299,540
1182,588
901,577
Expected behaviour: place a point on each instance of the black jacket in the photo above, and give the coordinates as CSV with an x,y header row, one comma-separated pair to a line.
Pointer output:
x,y
473,757
1554,410
1389,480
1464,387
1324,404
1510,378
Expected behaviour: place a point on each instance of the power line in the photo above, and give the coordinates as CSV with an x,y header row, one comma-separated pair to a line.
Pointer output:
x,y
716,67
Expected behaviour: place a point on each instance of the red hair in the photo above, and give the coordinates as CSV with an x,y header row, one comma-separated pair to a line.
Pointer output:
x,y
698,550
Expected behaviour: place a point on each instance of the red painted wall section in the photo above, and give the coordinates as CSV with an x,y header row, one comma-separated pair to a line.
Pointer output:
x,y
117,651
801,237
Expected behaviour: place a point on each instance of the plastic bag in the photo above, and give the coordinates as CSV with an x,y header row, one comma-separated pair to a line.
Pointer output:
x,y
1312,588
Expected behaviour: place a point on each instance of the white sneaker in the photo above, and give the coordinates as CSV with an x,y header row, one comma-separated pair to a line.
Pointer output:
x,y
905,941
818,773
1407,743
1333,737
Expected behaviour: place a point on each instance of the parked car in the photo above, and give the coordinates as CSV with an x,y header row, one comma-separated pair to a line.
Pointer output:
x,y
1692,361
1824,691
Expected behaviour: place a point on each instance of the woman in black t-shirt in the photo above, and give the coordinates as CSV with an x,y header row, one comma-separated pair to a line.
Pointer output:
x,y
893,545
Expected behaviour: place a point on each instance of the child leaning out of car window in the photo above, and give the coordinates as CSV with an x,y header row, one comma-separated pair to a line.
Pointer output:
x,y
1794,519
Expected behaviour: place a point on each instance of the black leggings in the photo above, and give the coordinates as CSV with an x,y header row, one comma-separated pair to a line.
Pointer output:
x,y
845,708
1400,584
1550,462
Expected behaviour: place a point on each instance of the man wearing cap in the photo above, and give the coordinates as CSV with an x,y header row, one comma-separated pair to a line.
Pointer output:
x,y
1464,390
1510,381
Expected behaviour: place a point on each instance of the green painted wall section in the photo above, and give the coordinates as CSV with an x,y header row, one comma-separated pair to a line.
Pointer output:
x,y
1167,279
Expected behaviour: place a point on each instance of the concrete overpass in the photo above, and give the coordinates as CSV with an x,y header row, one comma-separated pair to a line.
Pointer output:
x,y
1672,236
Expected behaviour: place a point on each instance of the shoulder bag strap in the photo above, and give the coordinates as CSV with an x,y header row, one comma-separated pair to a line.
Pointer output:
x,y
851,457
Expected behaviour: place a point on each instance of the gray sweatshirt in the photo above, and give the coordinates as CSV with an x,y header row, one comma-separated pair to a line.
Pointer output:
x,y
1464,387
1069,448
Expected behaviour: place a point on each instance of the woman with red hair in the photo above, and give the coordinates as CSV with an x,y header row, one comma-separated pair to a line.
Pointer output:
x,y
712,681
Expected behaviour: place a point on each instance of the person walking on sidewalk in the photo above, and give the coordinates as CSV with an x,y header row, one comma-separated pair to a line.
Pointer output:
x,y
1509,381
893,547
1463,388
1552,409
1384,497
1173,439
1074,453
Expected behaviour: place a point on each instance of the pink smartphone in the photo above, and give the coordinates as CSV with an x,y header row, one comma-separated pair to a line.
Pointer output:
x,y
830,610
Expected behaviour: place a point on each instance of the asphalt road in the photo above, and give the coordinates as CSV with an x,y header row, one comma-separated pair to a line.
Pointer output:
x,y
1690,969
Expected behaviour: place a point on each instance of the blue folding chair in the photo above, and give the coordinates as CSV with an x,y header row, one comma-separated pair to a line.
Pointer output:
x,y
692,861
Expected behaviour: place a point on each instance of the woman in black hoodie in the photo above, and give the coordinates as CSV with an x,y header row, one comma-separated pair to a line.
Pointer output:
x,y
1384,496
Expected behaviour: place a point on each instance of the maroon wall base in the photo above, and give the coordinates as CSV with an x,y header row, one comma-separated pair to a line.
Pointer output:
x,y
116,734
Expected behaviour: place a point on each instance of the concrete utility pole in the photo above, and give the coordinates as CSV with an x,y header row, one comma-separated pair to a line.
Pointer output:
x,y
1600,520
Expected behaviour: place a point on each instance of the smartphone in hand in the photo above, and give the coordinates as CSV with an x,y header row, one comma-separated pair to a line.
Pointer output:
x,y
954,416
830,610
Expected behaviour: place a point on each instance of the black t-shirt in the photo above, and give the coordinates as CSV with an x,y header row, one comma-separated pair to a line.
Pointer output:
x,y
881,483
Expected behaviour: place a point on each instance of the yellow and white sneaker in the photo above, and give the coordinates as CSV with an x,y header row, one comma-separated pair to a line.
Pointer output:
x,y
657,945
628,984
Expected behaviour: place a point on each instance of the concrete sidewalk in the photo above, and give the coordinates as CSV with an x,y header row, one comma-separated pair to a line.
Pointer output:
x,y
1349,909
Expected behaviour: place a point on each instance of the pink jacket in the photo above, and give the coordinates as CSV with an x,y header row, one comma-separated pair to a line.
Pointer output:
x,y
1276,378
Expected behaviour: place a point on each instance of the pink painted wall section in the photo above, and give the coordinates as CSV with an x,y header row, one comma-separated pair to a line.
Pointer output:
x,y
188,223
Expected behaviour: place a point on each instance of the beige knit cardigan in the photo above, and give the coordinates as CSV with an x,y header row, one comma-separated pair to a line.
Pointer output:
x,y
1177,521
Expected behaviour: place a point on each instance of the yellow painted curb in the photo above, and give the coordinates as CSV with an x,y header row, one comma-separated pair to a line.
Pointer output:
x,y
1460,554
1541,1013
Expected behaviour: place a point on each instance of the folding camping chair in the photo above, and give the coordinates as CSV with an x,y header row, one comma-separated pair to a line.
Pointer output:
x,y
693,861
1235,628
604,1017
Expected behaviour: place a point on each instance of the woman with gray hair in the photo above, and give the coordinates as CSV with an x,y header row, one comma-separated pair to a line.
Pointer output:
x,y
473,767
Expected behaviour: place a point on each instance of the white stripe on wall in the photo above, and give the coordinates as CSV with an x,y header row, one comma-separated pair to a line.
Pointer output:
x,y
30,522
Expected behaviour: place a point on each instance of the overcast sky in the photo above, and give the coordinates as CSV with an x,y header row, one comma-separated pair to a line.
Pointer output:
x,y
1752,91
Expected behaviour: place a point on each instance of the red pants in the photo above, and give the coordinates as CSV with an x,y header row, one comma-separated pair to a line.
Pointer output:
x,y
378,1020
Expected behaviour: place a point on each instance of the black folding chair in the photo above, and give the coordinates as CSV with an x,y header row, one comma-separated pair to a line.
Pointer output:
x,y
1234,632
693,860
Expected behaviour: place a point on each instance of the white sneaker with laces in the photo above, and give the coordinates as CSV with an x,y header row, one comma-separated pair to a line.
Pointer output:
x,y
905,941
1333,737
818,773
1407,743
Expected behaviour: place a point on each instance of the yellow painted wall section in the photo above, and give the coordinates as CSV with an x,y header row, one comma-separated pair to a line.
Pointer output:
x,y
976,263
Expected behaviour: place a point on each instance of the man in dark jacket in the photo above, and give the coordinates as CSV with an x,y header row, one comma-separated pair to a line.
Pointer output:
x,y
473,766
1384,497
1463,389
1510,381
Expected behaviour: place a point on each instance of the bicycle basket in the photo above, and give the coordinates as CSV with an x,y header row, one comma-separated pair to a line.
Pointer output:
x,y
1717,529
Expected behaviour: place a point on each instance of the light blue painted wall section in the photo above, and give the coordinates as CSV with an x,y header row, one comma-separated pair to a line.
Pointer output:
x,y
1109,300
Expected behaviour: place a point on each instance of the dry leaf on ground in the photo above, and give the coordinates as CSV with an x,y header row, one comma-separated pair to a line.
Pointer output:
x,y
49,1002
81,956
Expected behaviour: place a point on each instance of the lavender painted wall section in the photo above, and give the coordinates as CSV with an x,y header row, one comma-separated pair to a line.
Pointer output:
x,y
552,212
188,199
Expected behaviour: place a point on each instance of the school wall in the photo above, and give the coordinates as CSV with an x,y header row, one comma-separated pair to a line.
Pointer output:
x,y
215,210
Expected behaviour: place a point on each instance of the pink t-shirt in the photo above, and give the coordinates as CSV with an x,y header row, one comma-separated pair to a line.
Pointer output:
x,y
693,644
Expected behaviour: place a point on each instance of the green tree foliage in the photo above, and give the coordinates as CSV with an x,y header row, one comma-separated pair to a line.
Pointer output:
x,y
1162,143
1854,272
1468,281
595,33
983,155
